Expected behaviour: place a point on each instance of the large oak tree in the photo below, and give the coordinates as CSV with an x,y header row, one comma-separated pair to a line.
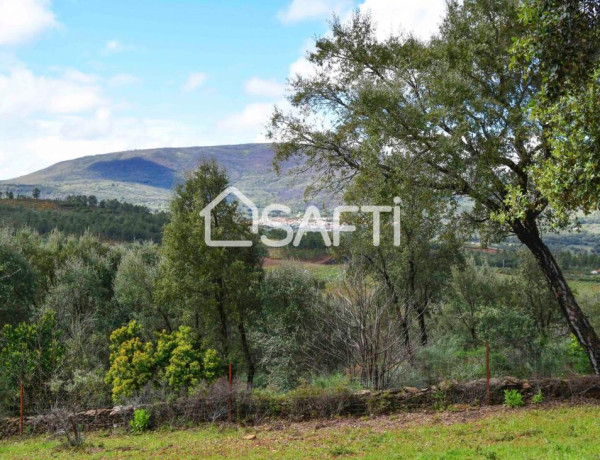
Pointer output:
x,y
448,114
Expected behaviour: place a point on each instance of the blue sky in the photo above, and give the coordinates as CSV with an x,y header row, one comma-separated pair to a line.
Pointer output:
x,y
81,77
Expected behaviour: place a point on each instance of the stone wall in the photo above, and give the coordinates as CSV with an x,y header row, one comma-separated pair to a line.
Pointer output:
x,y
250,408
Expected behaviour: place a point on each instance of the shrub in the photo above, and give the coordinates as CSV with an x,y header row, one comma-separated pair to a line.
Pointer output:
x,y
131,361
578,358
140,422
512,398
538,397
184,368
439,400
212,364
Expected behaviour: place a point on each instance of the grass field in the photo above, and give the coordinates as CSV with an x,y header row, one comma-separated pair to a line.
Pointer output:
x,y
558,431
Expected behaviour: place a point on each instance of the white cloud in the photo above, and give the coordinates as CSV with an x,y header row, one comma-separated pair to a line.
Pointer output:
x,y
21,20
300,10
40,143
116,46
252,116
301,67
248,124
23,93
194,81
264,88
421,17
123,79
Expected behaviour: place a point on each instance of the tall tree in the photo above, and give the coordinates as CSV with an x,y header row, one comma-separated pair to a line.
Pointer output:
x,y
448,114
216,285
414,270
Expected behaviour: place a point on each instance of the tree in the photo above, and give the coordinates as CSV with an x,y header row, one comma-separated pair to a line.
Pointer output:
x,y
562,44
413,271
449,114
10,195
36,193
31,353
288,331
471,291
17,285
134,288
363,331
213,285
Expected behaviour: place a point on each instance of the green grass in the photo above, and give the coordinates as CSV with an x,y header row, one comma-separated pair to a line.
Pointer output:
x,y
584,287
563,432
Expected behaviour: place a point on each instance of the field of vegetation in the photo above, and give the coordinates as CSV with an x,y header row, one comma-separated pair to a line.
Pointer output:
x,y
94,315
559,432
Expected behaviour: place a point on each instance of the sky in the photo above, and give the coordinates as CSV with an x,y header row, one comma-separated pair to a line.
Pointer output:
x,y
83,77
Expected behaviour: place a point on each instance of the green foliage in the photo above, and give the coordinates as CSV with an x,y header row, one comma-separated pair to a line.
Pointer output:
x,y
538,398
212,365
184,369
561,43
577,357
335,381
31,353
86,388
131,361
174,359
140,422
112,219
512,398
287,327
439,400
181,363
134,288
17,285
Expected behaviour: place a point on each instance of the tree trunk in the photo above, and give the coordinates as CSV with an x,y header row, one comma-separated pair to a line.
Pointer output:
x,y
247,354
528,233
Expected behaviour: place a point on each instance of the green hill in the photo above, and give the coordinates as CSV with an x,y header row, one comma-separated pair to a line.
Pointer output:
x,y
146,177
110,220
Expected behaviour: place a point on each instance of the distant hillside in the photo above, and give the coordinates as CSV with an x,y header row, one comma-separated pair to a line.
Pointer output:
x,y
147,177
110,220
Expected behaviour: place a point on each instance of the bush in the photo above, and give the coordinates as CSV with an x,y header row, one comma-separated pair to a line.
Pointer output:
x,y
578,359
538,398
140,422
512,398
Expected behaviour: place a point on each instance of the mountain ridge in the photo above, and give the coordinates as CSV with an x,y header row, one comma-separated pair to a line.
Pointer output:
x,y
147,176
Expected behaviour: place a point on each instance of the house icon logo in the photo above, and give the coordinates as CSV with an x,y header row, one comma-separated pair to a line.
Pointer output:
x,y
206,213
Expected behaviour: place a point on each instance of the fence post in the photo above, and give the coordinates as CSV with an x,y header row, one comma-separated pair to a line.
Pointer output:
x,y
230,391
21,397
487,372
